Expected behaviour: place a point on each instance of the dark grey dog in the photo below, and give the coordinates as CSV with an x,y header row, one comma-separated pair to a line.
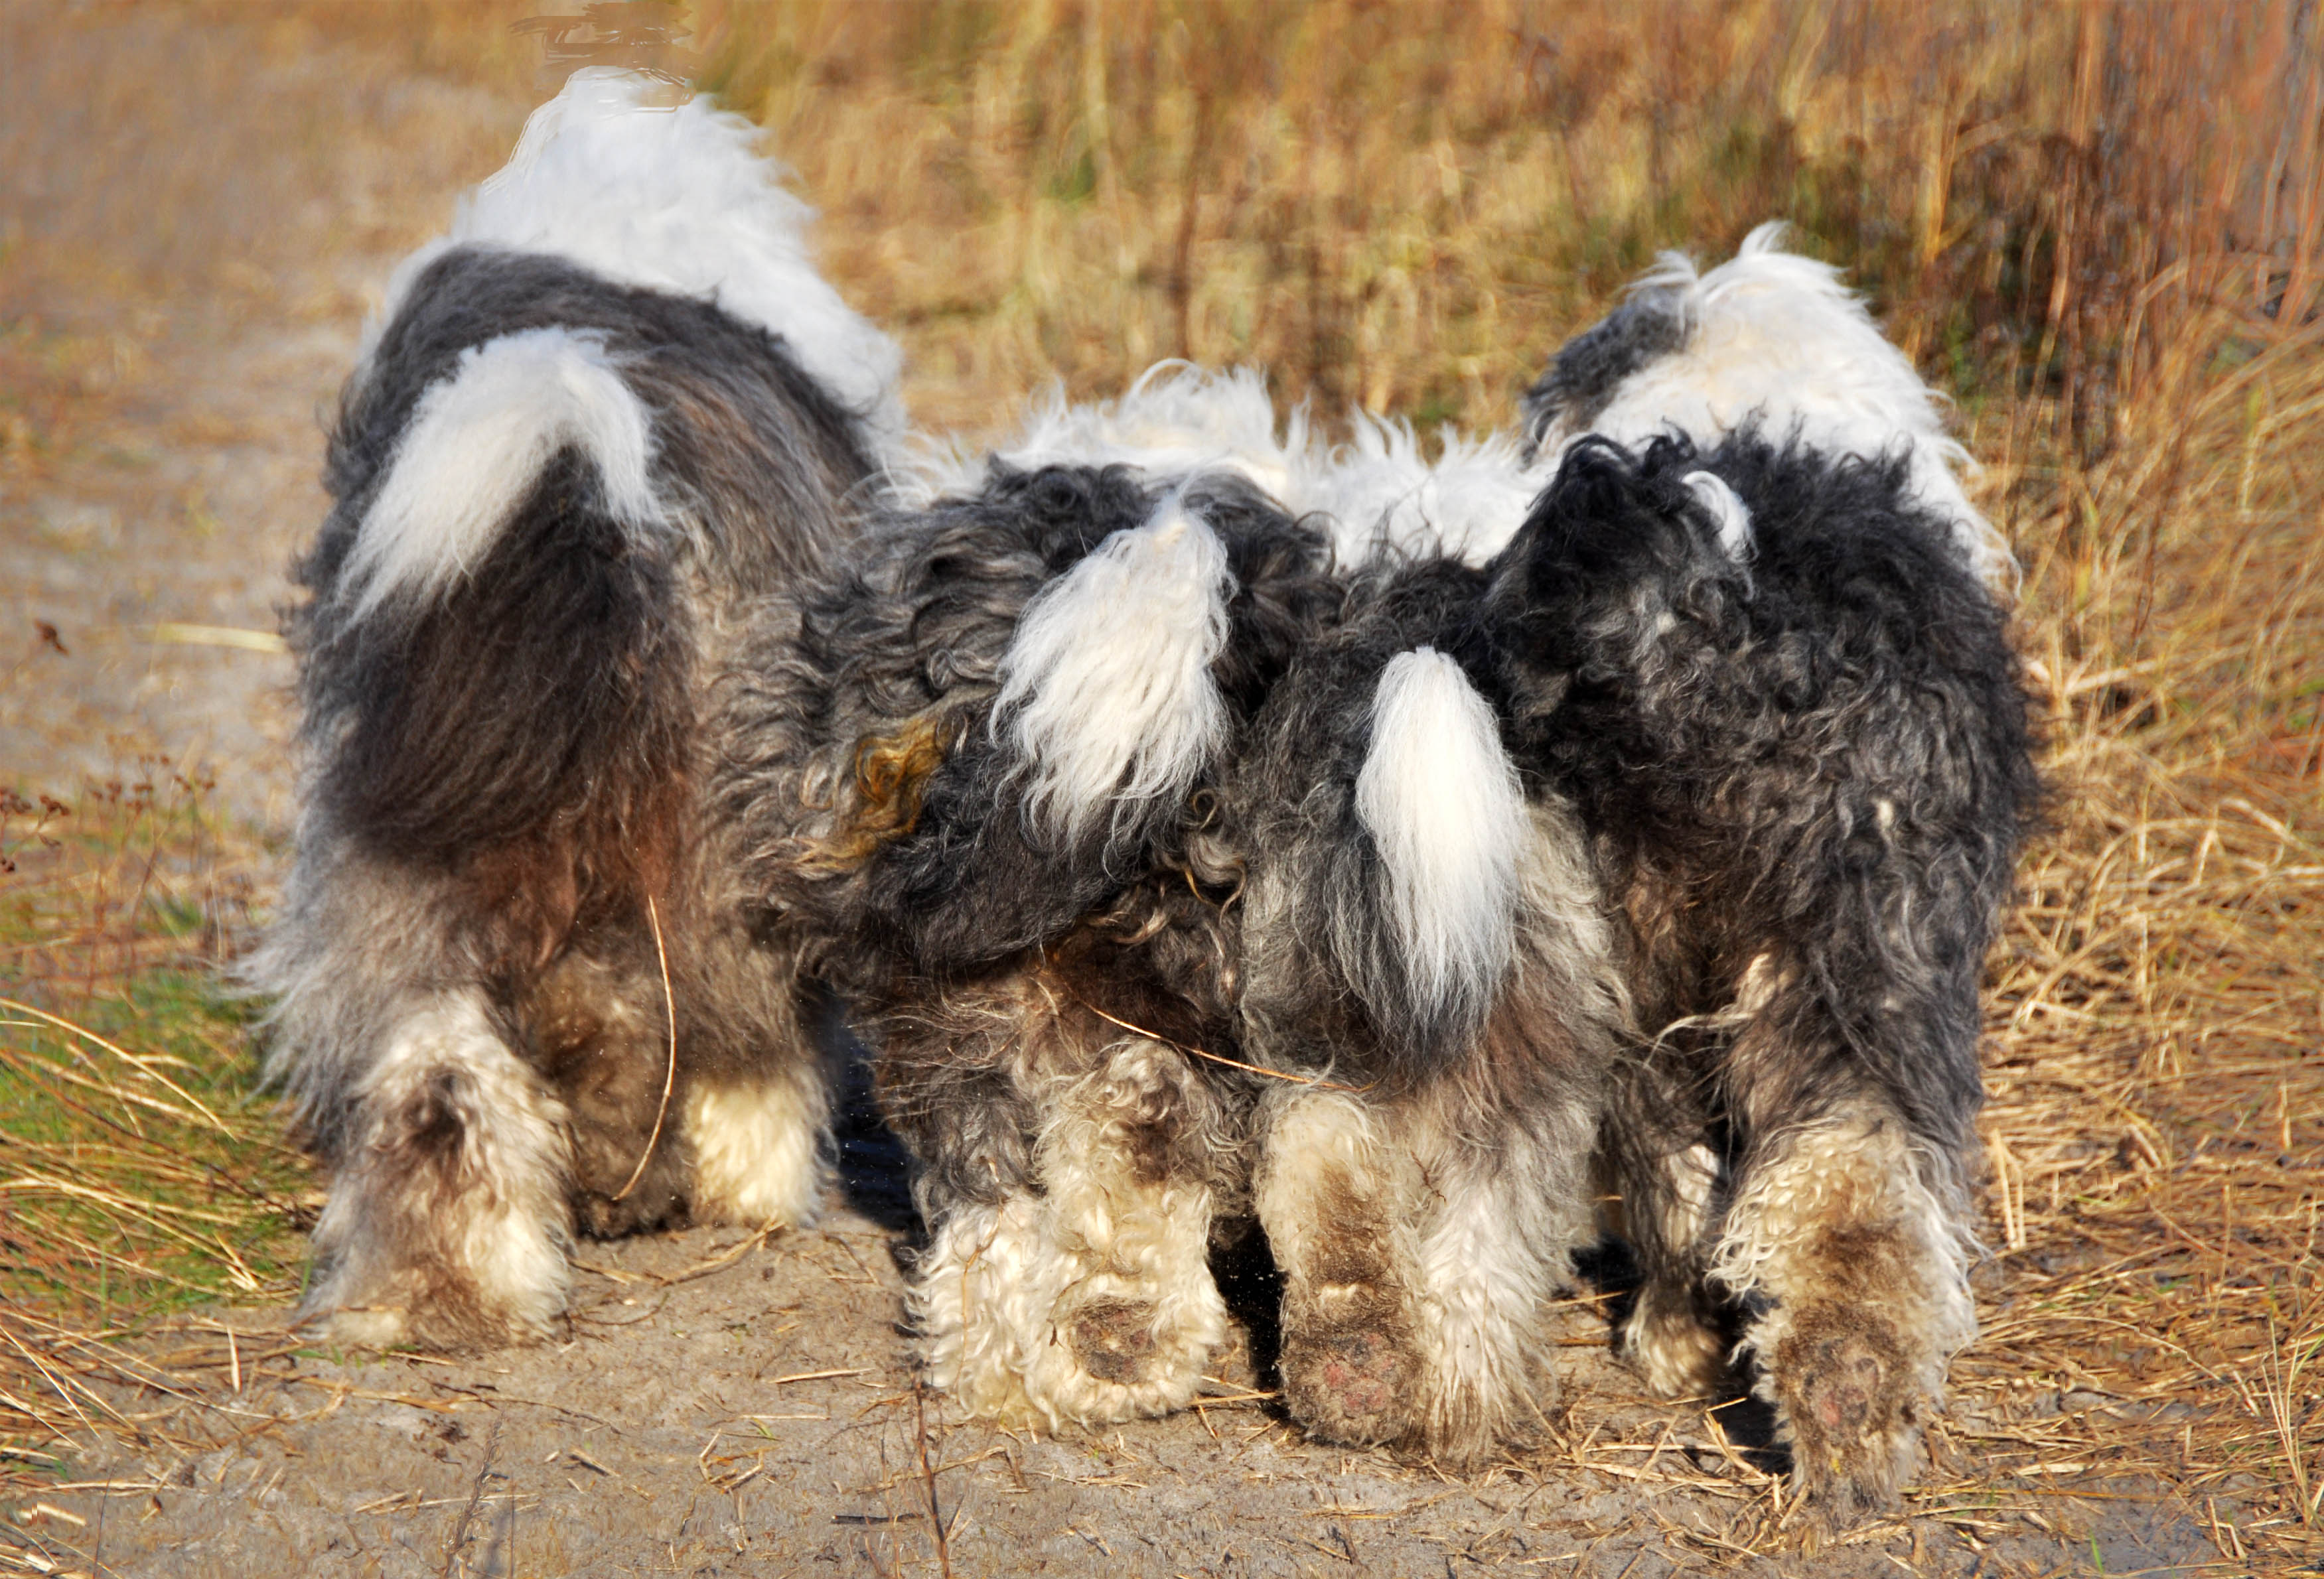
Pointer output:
x,y
515,984
1788,716
967,766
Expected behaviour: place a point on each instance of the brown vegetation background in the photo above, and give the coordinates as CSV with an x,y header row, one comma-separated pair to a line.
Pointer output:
x,y
2099,227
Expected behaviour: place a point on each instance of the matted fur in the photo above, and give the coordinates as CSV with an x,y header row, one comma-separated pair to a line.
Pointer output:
x,y
1806,778
513,921
1769,339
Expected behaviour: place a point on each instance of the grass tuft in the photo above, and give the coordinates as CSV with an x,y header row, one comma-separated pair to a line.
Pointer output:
x,y
143,1173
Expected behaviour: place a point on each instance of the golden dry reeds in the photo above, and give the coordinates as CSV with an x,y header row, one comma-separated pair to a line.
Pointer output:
x,y
141,1171
2100,226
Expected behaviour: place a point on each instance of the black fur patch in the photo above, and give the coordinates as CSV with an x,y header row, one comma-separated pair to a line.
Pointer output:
x,y
1820,754
1588,370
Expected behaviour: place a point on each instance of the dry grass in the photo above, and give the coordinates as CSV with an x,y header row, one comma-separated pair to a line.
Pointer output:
x,y
2099,226
145,1176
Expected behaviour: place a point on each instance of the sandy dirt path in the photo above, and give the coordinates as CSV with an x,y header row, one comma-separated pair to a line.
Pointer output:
x,y
199,218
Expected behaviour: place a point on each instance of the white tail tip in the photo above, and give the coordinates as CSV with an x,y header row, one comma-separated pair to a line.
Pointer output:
x,y
476,444
1442,802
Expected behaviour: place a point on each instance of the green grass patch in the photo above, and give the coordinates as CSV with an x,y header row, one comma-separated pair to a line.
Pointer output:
x,y
143,1169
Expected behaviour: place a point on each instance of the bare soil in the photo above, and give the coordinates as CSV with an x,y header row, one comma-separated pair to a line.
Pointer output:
x,y
719,1404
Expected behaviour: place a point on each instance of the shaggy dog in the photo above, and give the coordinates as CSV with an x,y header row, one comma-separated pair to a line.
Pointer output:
x,y
1763,663
1787,714
1423,945
967,767
516,985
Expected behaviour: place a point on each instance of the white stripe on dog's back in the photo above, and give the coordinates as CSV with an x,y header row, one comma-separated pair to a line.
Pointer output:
x,y
1778,337
1106,688
1442,802
476,444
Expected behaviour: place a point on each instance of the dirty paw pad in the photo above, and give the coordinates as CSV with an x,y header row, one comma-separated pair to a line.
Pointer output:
x,y
1113,1339
1349,1384
1848,1401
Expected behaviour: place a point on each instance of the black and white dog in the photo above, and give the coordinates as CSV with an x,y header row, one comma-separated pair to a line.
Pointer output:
x,y
1786,713
1747,669
1759,650
967,766
516,988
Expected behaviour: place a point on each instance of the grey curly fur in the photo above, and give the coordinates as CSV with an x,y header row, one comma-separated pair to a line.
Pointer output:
x,y
1806,775
503,779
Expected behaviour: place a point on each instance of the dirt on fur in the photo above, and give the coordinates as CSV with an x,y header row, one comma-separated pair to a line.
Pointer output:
x,y
719,1404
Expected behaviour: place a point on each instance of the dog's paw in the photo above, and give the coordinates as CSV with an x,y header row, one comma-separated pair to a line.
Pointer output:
x,y
1113,1339
1351,1372
1675,1350
1848,1402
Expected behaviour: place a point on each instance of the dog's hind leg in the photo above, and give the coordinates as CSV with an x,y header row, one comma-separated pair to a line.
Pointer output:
x,y
447,1222
1672,1335
1500,1218
757,1141
1088,1297
1660,1186
1336,1195
1420,1241
1846,1238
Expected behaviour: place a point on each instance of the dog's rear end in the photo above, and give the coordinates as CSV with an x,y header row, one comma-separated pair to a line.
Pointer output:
x,y
512,979
974,767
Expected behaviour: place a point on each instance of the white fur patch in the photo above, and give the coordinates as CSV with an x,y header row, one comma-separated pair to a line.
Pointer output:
x,y
1379,491
478,443
1442,802
758,1151
996,1294
676,200
1106,687
1175,421
1179,421
1775,336
1734,520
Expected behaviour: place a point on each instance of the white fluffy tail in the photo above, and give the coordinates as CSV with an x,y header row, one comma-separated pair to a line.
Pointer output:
x,y
476,444
1442,802
1106,689
676,200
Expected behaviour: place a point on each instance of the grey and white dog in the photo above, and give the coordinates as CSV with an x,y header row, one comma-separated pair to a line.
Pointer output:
x,y
1775,758
515,987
